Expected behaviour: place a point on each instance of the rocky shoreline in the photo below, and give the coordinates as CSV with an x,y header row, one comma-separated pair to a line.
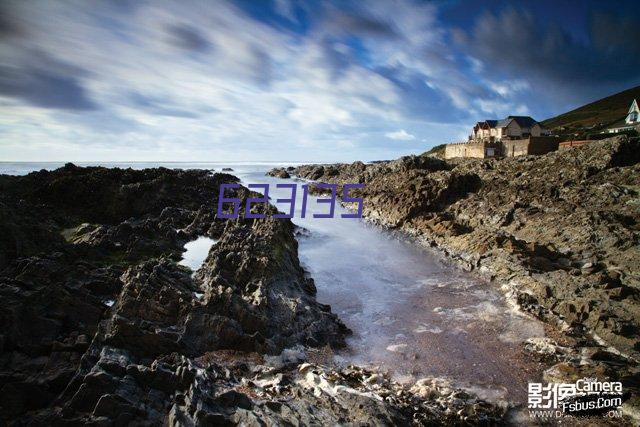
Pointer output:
x,y
559,233
99,325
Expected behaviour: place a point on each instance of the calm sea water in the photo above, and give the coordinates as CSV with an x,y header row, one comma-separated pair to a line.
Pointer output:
x,y
23,168
410,313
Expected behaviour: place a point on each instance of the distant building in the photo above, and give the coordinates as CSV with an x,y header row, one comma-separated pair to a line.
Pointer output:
x,y
633,116
631,121
509,137
511,127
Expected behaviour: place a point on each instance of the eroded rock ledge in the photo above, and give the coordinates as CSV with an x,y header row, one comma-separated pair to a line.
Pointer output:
x,y
559,232
99,325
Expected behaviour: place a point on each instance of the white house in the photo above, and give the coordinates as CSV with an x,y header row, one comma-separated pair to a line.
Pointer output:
x,y
632,120
633,116
511,127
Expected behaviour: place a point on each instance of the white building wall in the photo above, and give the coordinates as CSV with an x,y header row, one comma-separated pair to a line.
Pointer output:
x,y
634,114
513,129
536,130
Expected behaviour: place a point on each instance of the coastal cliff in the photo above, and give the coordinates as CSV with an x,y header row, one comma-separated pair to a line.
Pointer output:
x,y
559,233
100,325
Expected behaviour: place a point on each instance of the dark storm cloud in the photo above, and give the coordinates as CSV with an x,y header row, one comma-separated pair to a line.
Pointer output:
x,y
521,44
189,38
8,26
619,34
46,82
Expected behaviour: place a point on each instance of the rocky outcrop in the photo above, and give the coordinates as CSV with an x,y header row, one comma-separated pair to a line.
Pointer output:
x,y
559,232
100,325
279,173
88,271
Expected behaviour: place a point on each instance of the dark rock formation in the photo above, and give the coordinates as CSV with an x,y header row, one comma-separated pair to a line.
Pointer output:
x,y
99,325
76,241
279,173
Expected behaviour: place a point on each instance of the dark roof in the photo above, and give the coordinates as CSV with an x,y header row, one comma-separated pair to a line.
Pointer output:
x,y
490,123
523,121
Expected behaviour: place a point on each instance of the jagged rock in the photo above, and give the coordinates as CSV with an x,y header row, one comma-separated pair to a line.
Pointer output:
x,y
99,324
279,173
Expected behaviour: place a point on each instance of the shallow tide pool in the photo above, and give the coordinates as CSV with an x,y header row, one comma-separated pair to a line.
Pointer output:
x,y
196,252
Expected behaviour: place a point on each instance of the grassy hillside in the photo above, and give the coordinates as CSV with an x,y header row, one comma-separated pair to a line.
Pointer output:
x,y
597,115
438,150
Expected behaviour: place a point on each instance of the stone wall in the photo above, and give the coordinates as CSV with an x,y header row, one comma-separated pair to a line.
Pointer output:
x,y
506,148
533,145
515,147
569,144
463,149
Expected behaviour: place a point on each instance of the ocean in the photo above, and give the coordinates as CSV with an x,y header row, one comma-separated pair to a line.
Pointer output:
x,y
23,168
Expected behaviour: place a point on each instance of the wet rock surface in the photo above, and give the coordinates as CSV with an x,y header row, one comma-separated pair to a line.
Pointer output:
x,y
99,325
559,233
279,173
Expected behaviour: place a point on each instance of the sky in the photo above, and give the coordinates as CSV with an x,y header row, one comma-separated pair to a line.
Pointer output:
x,y
283,80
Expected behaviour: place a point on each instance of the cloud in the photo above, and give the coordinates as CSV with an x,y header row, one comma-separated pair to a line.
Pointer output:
x,y
286,8
500,109
41,80
8,26
400,135
188,38
354,73
279,80
519,43
509,88
161,106
359,21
